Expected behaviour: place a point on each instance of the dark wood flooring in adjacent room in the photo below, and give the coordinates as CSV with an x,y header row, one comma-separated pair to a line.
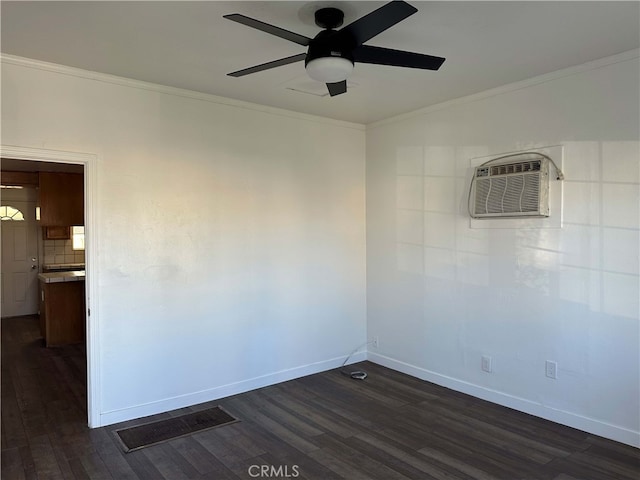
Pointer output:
x,y
391,426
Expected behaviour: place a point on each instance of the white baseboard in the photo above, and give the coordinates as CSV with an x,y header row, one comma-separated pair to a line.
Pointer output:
x,y
586,424
216,393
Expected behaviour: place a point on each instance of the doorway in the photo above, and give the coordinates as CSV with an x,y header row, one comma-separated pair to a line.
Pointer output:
x,y
33,160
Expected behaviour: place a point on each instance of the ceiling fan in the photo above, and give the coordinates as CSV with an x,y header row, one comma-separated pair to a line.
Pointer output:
x,y
332,53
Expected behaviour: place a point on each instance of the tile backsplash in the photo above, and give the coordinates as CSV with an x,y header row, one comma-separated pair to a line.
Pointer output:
x,y
61,251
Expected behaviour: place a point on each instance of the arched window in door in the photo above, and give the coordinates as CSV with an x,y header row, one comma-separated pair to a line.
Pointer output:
x,y
7,212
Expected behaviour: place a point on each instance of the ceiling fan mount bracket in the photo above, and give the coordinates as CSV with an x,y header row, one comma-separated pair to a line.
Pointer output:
x,y
329,18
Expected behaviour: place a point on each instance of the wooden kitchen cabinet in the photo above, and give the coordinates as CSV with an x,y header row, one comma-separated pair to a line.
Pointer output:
x,y
56,233
62,306
43,310
61,198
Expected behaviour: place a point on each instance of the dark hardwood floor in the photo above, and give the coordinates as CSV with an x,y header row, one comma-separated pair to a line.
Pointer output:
x,y
324,426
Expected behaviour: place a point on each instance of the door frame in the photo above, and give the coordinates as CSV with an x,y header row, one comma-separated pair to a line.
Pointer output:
x,y
90,162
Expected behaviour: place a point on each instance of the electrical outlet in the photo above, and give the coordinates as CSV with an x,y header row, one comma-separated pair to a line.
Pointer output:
x,y
551,369
486,364
375,342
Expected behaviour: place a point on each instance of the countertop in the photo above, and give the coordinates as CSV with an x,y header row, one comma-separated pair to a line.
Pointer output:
x,y
56,277
61,266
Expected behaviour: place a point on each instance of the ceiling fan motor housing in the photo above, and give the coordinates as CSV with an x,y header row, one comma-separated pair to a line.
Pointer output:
x,y
328,44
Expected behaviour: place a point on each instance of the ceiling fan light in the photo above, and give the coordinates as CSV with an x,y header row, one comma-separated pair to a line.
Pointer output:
x,y
329,69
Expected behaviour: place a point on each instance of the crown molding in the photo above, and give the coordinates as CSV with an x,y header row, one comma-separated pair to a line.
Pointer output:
x,y
127,82
7,59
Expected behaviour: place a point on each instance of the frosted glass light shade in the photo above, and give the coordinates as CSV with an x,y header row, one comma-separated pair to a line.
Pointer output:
x,y
329,69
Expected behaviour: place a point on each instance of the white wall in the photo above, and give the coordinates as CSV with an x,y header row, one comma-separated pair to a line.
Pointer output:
x,y
440,294
231,242
231,238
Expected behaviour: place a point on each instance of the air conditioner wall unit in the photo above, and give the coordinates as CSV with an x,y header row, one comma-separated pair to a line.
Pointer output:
x,y
511,189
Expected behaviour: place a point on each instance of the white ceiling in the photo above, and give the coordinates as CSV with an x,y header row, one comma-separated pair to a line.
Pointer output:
x,y
189,45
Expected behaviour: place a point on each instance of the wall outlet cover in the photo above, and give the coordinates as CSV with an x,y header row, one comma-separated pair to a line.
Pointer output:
x,y
486,364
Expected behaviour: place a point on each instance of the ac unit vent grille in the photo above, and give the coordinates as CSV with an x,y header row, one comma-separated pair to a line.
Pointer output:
x,y
512,190
520,167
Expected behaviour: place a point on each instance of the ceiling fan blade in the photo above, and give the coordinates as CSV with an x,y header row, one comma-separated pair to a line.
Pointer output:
x,y
265,27
337,88
367,27
268,65
396,58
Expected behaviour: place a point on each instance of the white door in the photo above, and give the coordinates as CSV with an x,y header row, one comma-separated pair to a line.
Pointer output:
x,y
19,258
